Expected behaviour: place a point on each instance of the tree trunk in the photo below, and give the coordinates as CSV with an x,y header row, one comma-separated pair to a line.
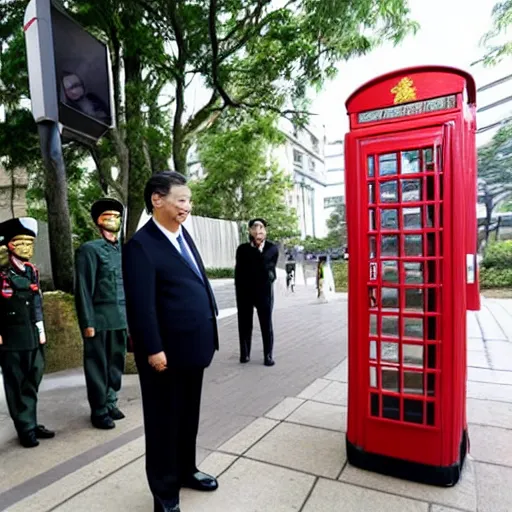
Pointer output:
x,y
56,193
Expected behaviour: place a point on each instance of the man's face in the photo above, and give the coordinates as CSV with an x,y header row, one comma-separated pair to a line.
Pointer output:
x,y
176,206
73,87
22,246
110,221
258,232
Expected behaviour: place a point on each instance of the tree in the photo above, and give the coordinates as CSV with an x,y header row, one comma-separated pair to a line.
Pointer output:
x,y
242,181
337,225
494,41
495,173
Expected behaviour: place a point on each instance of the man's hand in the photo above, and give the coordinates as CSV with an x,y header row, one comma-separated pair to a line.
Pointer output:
x,y
158,361
42,339
1,341
89,332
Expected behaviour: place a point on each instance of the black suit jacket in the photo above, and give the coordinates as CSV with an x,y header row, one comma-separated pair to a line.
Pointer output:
x,y
168,306
255,271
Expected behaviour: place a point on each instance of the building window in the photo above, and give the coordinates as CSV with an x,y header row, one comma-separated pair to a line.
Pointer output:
x,y
312,165
330,202
297,157
315,144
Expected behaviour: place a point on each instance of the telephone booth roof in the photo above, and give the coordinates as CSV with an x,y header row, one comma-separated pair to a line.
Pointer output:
x,y
411,84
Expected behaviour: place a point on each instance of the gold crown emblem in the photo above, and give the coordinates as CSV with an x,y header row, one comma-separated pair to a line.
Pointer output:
x,y
404,91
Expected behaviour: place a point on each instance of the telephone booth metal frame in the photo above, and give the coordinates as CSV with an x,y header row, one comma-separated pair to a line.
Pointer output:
x,y
411,195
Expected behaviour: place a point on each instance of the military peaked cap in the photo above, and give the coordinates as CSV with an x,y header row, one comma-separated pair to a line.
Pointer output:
x,y
253,221
15,227
104,205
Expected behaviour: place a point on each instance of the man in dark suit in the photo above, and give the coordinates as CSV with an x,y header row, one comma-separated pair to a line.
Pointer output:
x,y
255,273
171,313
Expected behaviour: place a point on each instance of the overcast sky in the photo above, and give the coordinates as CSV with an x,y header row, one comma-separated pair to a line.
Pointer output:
x,y
450,33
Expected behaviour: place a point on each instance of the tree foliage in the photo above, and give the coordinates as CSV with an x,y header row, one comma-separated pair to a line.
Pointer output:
x,y
241,179
497,44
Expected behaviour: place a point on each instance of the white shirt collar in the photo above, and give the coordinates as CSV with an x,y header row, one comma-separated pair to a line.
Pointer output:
x,y
260,248
169,234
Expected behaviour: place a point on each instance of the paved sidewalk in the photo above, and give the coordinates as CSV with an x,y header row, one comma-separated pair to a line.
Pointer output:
x,y
291,455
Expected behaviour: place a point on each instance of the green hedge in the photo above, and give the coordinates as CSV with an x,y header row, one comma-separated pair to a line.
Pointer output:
x,y
340,274
496,267
220,273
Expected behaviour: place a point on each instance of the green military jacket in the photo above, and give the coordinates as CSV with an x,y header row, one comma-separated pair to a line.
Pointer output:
x,y
99,292
21,306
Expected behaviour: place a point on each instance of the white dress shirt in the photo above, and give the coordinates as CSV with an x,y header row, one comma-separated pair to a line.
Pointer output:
x,y
173,238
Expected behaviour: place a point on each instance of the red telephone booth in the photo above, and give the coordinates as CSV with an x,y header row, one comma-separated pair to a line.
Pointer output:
x,y
411,197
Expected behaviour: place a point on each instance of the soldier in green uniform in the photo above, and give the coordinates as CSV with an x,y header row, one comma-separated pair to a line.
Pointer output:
x,y
100,305
22,335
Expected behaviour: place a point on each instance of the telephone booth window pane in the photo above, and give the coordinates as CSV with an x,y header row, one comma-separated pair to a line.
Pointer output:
x,y
413,411
412,218
431,244
388,164
431,384
411,190
373,350
412,355
413,327
430,414
389,246
390,326
413,383
372,297
431,356
371,167
389,352
371,193
391,407
389,219
389,192
374,404
428,159
373,247
390,381
373,324
413,273
413,245
410,162
373,377
390,271
414,299
390,298
371,216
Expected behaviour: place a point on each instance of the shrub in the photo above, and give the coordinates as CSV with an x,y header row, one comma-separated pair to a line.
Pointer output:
x,y
220,273
64,349
496,277
498,256
340,274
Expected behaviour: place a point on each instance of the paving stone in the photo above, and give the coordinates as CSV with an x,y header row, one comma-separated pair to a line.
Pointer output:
x,y
463,495
487,412
494,488
490,376
252,486
477,359
312,450
314,388
283,409
335,393
490,328
437,508
340,373
486,391
475,344
502,313
500,353
316,414
491,444
239,443
328,496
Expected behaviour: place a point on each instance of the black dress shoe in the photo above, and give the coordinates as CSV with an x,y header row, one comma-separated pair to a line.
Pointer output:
x,y
200,482
28,439
166,505
269,361
244,359
116,414
42,432
103,422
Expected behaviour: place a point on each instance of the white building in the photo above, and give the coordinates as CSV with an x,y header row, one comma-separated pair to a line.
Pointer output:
x,y
302,157
335,171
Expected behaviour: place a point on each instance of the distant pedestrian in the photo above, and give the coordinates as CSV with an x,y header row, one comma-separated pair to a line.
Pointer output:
x,y
255,273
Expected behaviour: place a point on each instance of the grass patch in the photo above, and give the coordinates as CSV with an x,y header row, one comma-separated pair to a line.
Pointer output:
x,y
220,273
340,275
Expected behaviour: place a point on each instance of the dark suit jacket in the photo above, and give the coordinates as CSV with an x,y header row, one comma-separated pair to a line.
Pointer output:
x,y
255,271
168,306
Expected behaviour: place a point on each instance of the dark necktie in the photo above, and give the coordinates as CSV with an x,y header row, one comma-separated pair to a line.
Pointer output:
x,y
187,257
